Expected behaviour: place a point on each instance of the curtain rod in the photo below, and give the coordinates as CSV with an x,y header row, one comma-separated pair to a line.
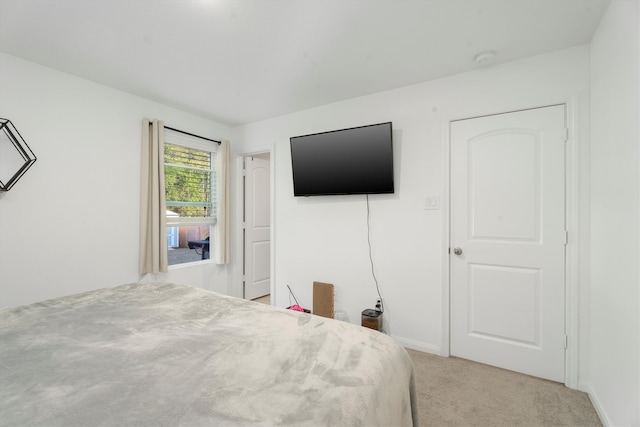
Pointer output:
x,y
191,134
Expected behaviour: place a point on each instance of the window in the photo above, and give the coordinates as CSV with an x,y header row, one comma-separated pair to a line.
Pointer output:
x,y
190,186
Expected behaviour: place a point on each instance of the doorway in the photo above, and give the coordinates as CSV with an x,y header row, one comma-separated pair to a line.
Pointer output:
x,y
508,238
256,230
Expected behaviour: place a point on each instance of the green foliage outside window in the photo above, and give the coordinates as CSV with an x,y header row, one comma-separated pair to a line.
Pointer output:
x,y
188,181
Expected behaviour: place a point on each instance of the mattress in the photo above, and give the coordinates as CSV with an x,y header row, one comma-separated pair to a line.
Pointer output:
x,y
154,353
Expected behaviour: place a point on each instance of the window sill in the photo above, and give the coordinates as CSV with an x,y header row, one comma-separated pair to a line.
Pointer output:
x,y
189,264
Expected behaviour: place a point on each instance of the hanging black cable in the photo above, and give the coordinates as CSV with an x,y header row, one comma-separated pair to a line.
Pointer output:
x,y
373,272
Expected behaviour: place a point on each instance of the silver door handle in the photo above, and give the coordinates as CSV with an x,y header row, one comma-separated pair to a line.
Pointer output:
x,y
457,251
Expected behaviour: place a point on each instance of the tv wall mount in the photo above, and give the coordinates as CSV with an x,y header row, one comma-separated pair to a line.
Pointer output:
x,y
15,155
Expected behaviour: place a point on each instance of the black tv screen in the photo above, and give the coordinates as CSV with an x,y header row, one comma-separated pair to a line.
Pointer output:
x,y
348,161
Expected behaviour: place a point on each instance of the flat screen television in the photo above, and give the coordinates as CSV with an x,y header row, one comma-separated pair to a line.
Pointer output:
x,y
357,160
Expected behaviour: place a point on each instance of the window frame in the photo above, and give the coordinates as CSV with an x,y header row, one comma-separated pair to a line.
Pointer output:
x,y
177,138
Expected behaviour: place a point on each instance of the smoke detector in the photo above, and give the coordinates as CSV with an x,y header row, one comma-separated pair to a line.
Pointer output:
x,y
485,58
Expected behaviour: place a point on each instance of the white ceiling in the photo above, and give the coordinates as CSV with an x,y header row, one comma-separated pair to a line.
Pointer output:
x,y
240,61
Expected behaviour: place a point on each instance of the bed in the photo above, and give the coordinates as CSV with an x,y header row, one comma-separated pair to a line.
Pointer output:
x,y
157,354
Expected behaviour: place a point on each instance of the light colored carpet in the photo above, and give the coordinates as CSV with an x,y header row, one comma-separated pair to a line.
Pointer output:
x,y
264,300
458,392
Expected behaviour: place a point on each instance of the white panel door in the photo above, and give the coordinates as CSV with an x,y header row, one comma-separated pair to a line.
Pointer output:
x,y
257,249
508,241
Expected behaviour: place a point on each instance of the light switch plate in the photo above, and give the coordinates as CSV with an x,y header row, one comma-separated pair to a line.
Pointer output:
x,y
431,202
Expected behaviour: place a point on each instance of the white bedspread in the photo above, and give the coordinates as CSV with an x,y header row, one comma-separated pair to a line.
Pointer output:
x,y
163,354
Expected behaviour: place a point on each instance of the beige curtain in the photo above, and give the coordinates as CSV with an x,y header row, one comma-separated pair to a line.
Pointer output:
x,y
222,252
153,218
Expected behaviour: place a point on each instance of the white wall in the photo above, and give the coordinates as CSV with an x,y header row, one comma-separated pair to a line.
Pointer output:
x,y
325,238
71,223
613,377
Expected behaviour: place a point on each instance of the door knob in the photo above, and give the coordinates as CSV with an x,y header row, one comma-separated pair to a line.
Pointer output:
x,y
457,251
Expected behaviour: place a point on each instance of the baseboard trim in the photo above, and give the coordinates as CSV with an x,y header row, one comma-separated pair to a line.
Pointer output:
x,y
593,396
418,345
